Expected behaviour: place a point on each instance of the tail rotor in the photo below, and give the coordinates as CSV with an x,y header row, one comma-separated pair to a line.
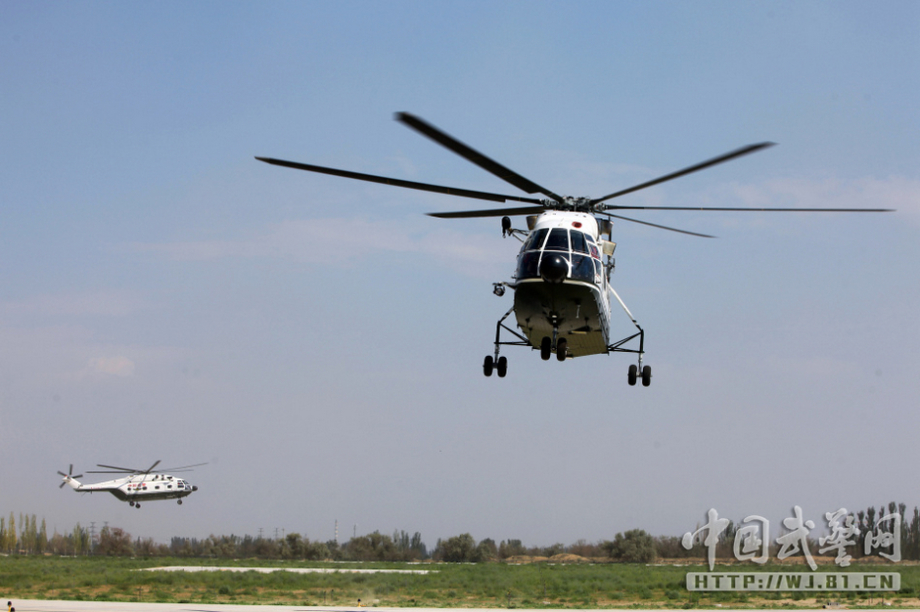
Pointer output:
x,y
68,477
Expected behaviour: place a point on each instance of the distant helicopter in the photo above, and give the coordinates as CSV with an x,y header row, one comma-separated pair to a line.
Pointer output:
x,y
137,486
562,291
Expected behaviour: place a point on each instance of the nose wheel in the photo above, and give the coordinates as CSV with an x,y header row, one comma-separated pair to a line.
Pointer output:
x,y
548,344
634,375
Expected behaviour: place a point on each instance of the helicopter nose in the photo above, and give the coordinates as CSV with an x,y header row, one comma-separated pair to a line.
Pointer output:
x,y
554,268
194,487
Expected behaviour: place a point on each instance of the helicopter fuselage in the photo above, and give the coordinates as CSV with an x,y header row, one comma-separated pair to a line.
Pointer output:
x,y
560,284
139,487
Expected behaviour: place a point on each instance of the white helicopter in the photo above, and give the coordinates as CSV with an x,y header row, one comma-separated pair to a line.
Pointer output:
x,y
562,292
137,486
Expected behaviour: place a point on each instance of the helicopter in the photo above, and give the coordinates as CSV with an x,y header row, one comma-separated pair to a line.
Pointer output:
x,y
139,485
562,292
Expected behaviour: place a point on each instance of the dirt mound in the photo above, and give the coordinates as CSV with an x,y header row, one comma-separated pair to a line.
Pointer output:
x,y
522,559
568,558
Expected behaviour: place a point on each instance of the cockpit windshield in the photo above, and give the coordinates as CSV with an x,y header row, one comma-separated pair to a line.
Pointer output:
x,y
580,252
579,244
535,240
558,240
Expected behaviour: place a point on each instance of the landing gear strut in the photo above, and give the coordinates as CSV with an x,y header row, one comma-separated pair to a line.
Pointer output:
x,y
496,363
635,371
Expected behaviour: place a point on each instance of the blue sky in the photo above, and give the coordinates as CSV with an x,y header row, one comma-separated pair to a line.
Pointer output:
x,y
319,341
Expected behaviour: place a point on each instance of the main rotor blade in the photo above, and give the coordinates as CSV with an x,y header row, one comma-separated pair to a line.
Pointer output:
x,y
115,467
664,227
498,212
383,180
155,463
706,164
181,468
470,154
731,209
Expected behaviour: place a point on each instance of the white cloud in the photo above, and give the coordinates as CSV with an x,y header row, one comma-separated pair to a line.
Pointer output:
x,y
307,240
91,303
114,366
103,367
344,242
897,192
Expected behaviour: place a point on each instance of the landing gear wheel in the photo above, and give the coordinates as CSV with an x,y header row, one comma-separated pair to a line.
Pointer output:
x,y
546,348
502,367
561,345
179,501
137,505
631,378
646,376
487,365
131,504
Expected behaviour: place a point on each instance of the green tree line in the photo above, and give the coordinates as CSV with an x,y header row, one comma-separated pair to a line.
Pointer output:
x,y
29,537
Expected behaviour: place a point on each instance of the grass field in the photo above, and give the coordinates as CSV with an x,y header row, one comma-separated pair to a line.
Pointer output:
x,y
490,585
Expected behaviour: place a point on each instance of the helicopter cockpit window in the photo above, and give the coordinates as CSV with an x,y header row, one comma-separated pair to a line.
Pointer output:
x,y
529,258
583,268
579,244
528,263
535,240
558,240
